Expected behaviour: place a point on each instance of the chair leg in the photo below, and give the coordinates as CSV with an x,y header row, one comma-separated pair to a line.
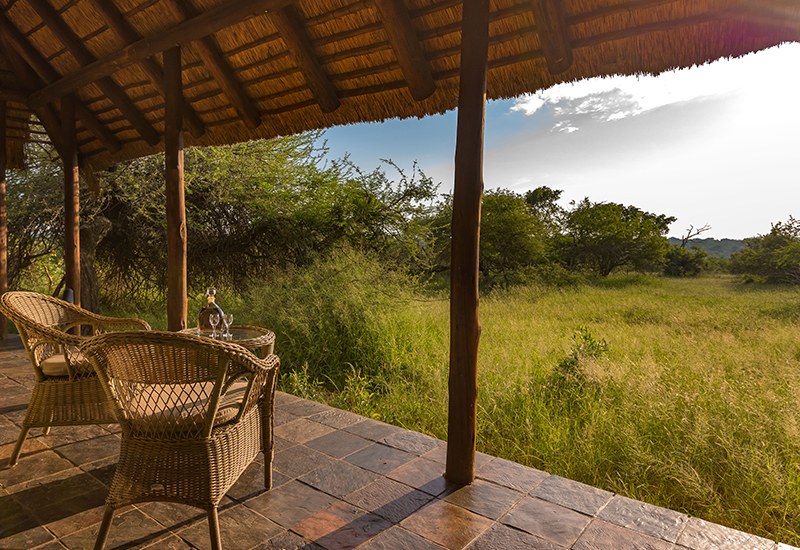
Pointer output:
x,y
46,430
18,447
213,528
102,534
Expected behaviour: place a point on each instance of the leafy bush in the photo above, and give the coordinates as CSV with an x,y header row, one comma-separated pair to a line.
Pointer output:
x,y
681,262
774,257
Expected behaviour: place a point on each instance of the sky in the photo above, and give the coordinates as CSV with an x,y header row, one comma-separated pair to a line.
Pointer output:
x,y
715,145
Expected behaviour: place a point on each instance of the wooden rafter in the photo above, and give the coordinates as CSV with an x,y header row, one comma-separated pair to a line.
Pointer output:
x,y
75,46
215,63
128,35
35,64
407,48
27,79
288,24
552,29
229,13
17,96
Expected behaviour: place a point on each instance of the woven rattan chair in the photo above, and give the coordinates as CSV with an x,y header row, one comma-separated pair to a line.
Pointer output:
x,y
194,413
67,391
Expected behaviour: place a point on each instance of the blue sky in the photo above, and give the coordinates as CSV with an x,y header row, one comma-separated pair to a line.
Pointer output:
x,y
717,144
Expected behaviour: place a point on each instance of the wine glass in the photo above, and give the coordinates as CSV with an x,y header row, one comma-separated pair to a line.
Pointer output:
x,y
214,320
228,320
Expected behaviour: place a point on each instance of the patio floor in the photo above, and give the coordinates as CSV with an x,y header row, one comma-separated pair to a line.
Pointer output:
x,y
341,481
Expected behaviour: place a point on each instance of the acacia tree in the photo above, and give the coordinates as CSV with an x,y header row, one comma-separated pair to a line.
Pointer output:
x,y
775,256
601,237
254,205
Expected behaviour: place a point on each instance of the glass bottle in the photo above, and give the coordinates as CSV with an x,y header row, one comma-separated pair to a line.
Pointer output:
x,y
211,307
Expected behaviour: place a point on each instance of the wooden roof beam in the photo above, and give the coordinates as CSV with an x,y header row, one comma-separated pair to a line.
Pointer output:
x,y
75,46
7,94
26,76
288,24
215,63
552,27
227,14
128,35
34,70
407,48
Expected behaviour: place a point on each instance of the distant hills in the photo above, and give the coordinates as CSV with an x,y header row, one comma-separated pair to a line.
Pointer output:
x,y
722,248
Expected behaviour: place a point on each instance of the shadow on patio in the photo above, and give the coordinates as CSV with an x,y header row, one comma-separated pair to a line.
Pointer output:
x,y
341,481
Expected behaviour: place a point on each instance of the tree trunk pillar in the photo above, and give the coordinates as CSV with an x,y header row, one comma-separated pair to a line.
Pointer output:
x,y
72,241
177,304
464,324
3,217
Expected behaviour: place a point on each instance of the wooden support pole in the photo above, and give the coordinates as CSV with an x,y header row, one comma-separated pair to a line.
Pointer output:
x,y
177,303
465,328
72,241
3,217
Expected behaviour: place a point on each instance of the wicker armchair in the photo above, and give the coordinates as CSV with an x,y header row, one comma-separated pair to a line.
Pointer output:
x,y
194,413
67,391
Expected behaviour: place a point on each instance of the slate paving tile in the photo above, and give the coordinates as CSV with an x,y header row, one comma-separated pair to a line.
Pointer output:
x,y
279,444
287,541
298,461
171,542
446,524
644,518
397,538
336,418
341,527
172,515
64,435
379,458
510,474
572,494
283,398
32,446
131,528
102,470
281,417
439,455
424,475
486,499
240,529
32,467
601,535
389,499
372,429
412,442
339,479
19,529
91,450
251,482
503,537
304,407
701,535
9,433
547,520
290,503
302,430
61,486
338,444
72,515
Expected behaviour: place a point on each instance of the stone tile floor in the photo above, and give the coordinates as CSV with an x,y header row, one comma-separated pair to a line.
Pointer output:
x,y
341,481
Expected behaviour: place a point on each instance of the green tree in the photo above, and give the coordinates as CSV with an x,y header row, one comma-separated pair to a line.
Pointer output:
x,y
682,262
775,257
601,237
252,205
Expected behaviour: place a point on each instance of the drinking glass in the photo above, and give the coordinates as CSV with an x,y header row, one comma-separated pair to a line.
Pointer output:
x,y
214,320
228,320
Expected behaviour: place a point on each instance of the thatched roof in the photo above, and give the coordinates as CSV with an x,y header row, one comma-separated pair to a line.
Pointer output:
x,y
263,68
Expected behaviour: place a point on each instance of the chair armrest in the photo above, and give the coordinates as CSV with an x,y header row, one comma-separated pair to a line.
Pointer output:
x,y
100,322
262,375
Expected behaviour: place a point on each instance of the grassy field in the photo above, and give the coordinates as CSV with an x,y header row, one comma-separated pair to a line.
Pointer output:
x,y
679,392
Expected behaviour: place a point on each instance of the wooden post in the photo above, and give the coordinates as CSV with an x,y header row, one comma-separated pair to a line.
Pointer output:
x,y
465,328
3,217
72,241
176,204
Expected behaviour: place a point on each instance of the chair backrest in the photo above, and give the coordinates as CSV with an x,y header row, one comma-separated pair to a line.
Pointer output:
x,y
169,385
32,307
